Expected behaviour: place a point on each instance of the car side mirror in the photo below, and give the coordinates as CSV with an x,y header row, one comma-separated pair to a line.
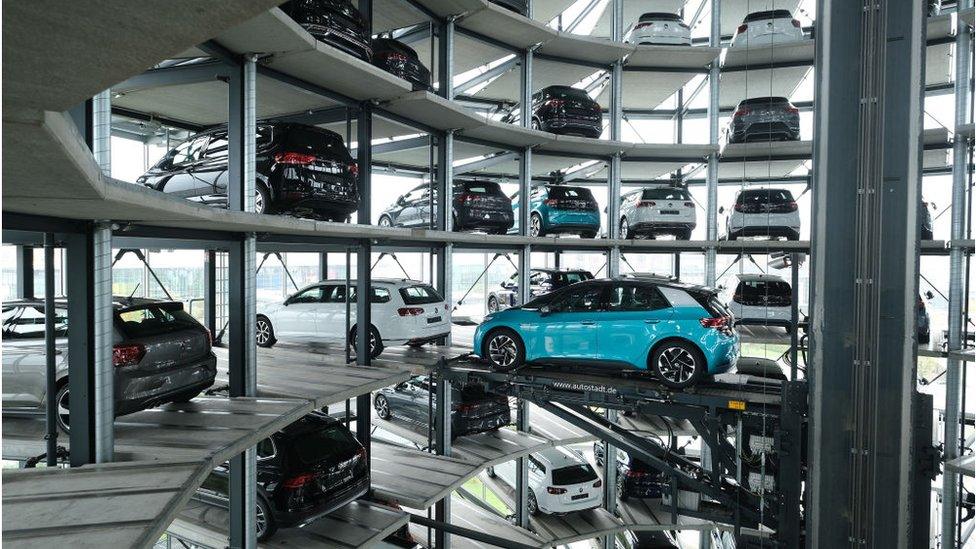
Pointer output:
x,y
400,387
545,310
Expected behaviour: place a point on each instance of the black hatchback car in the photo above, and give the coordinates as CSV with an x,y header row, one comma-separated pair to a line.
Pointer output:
x,y
401,60
336,22
301,170
309,468
566,110
541,282
477,206
472,409
764,119
635,478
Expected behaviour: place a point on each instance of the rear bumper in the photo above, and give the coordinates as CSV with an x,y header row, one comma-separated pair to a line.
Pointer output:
x,y
571,221
765,131
334,199
471,425
651,227
469,219
568,125
427,338
331,502
135,392
411,71
642,489
342,38
790,233
561,508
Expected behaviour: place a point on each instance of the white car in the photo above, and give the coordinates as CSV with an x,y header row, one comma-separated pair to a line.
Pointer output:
x,y
763,28
771,213
404,312
560,481
659,28
761,299
657,211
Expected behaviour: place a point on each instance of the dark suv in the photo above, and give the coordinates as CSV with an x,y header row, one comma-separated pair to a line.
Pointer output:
x,y
567,111
478,206
401,60
309,468
301,170
161,354
336,22
472,409
764,119
635,478
541,282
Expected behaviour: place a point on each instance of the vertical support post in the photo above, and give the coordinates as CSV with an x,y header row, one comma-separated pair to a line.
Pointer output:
x,y
102,130
957,274
525,160
443,218
794,313
25,272
445,59
91,374
242,349
711,188
364,321
442,424
616,127
524,273
50,356
323,265
867,164
210,291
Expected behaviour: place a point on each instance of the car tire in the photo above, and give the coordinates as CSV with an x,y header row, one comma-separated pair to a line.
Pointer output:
x,y
266,527
63,403
262,199
385,221
264,332
490,471
732,236
588,234
187,396
625,231
375,341
535,225
536,125
684,234
533,506
503,349
498,231
492,304
382,407
677,363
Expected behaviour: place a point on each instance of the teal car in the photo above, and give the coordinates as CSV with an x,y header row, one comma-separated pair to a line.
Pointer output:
x,y
560,209
677,332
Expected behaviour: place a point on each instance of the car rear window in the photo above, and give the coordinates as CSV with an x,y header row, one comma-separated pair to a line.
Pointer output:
x,y
765,196
711,303
154,319
660,16
750,289
420,294
567,93
482,187
570,192
316,141
771,14
334,443
572,277
574,474
666,194
763,101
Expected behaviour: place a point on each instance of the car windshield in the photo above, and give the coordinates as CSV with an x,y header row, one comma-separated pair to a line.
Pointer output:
x,y
570,192
660,17
574,474
334,443
420,294
666,194
765,196
154,319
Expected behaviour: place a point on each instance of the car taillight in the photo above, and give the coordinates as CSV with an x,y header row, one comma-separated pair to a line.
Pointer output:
x,y
689,204
741,111
715,322
633,473
353,169
598,483
792,110
410,311
467,198
127,355
646,204
552,202
742,28
463,407
209,337
554,490
294,158
739,208
791,206
299,481
394,56
796,23
555,103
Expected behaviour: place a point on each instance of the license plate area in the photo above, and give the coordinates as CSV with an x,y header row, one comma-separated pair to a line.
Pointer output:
x,y
433,319
580,496
669,212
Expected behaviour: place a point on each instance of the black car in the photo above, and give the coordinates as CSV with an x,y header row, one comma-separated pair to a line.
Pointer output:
x,y
520,7
566,110
309,468
925,220
477,206
472,409
336,22
301,170
764,119
646,539
541,282
635,478
401,60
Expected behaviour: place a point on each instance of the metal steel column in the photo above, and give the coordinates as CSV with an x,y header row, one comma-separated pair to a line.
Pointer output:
x,y
442,430
25,272
241,345
364,322
50,352
445,59
210,291
102,130
323,265
864,269
957,274
91,373
445,161
711,187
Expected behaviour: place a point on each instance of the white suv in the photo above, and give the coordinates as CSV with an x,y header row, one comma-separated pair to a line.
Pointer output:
x,y
659,28
763,212
767,27
560,481
656,211
761,299
403,312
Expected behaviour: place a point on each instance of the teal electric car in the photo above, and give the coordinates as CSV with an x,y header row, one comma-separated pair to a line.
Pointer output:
x,y
678,332
560,209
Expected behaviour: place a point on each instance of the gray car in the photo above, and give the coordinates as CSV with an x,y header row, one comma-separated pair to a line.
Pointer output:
x,y
161,354
764,119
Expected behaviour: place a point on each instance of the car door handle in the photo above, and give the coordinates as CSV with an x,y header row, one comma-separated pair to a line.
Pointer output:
x,y
652,321
587,322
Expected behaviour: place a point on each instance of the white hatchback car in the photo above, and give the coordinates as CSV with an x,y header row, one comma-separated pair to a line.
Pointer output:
x,y
661,28
560,481
657,211
763,28
404,312
761,299
771,213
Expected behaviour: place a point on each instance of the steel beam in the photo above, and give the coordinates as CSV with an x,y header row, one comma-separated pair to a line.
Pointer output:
x,y
210,291
445,59
193,73
50,353
484,163
442,430
711,191
25,272
494,72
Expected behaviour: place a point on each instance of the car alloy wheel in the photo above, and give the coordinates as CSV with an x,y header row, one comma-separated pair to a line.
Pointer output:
x,y
382,407
64,408
385,222
624,228
676,365
535,226
260,521
263,332
492,304
502,350
533,504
